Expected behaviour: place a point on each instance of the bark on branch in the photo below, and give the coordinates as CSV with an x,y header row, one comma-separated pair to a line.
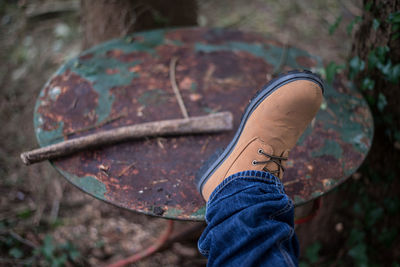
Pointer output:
x,y
212,123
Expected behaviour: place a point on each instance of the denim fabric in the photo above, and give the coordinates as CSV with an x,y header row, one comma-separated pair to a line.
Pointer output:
x,y
250,223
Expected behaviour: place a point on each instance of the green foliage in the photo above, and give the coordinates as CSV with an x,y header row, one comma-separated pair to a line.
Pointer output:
x,y
369,214
331,69
350,27
358,247
356,65
359,254
382,102
311,255
57,254
390,72
49,253
387,236
312,252
394,20
333,27
375,24
377,64
25,214
373,215
378,61
392,205
16,253
368,84
8,243
377,57
368,5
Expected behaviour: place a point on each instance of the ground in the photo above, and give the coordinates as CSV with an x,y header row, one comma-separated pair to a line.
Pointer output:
x,y
45,220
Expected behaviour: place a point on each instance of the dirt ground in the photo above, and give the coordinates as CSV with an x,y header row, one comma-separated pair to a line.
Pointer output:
x,y
46,221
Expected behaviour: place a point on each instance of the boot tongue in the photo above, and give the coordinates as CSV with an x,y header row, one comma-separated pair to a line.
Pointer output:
x,y
274,168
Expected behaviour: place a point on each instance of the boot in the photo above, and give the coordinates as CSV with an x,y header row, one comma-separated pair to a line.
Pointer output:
x,y
271,125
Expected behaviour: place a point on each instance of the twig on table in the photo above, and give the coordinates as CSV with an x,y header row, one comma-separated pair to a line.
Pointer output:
x,y
291,182
124,170
159,143
172,78
109,120
159,181
213,123
203,148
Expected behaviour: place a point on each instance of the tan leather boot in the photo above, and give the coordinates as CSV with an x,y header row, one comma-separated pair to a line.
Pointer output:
x,y
271,125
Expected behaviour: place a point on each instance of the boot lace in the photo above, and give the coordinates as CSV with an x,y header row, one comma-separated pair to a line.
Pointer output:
x,y
275,159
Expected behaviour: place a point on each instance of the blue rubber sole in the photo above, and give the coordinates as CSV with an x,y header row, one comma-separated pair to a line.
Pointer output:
x,y
218,158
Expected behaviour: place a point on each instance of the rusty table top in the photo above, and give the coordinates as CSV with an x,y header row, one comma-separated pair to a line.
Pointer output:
x,y
126,81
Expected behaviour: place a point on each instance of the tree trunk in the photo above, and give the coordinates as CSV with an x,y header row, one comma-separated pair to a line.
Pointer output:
x,y
368,38
375,31
384,156
107,19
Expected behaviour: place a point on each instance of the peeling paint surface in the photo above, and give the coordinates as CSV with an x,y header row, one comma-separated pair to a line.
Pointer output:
x,y
126,81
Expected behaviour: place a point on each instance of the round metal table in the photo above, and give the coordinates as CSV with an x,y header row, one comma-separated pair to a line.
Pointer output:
x,y
126,81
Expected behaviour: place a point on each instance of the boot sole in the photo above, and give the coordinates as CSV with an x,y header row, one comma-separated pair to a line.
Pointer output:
x,y
219,157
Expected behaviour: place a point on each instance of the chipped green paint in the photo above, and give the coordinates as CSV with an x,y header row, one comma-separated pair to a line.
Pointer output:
x,y
342,108
329,183
95,71
349,171
270,53
88,184
193,87
316,194
358,143
142,42
298,199
330,148
199,214
54,93
173,212
44,137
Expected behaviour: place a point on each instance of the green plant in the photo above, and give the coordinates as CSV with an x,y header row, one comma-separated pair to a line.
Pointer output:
x,y
335,25
331,69
57,254
394,20
378,59
356,65
358,247
377,65
311,254
351,25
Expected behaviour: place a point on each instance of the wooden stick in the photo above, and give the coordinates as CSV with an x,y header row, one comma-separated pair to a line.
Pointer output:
x,y
172,78
213,123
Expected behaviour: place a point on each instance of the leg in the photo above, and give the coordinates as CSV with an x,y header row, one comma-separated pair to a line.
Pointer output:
x,y
249,216
250,223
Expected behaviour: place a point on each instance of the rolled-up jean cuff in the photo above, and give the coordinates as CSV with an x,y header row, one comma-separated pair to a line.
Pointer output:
x,y
256,176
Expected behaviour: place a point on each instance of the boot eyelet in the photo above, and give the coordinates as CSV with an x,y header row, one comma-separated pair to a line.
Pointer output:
x,y
260,151
254,163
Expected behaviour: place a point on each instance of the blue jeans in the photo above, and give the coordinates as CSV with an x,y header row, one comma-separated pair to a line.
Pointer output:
x,y
250,223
